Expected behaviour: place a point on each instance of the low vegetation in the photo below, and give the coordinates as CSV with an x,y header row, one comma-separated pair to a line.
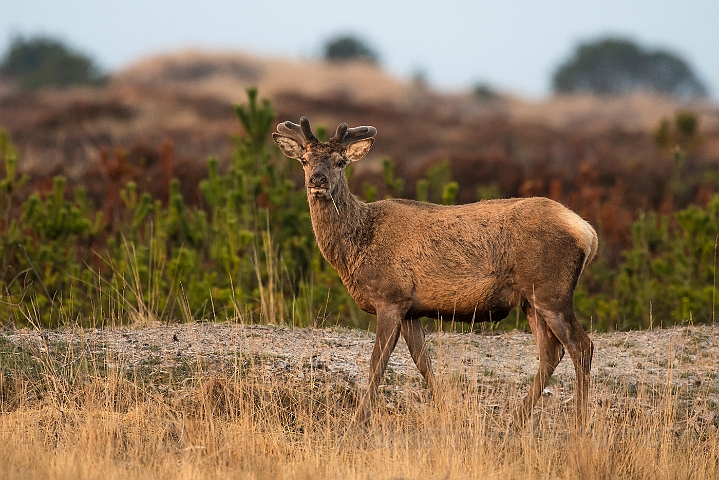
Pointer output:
x,y
247,247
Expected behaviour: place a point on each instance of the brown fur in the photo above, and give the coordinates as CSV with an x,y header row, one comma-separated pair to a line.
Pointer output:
x,y
403,260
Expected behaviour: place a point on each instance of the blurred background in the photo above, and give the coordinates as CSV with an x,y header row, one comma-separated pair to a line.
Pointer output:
x,y
452,45
609,107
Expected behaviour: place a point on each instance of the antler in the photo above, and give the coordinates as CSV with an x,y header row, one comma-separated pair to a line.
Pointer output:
x,y
345,136
302,132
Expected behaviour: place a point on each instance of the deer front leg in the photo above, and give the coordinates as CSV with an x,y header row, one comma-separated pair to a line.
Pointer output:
x,y
389,319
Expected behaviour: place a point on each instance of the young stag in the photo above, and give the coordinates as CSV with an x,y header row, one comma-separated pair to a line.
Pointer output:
x,y
402,260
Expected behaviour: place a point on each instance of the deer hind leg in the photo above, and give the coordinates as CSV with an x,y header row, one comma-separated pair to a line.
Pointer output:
x,y
550,354
388,328
414,336
576,341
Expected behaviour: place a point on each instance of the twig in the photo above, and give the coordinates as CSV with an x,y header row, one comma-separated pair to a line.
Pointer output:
x,y
333,203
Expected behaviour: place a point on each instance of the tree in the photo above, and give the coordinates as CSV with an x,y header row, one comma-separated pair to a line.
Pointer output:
x,y
348,47
41,61
619,66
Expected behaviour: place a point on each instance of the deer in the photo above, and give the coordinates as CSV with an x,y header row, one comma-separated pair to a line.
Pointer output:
x,y
402,260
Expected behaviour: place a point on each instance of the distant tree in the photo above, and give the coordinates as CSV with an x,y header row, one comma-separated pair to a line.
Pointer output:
x,y
40,61
348,47
483,92
619,66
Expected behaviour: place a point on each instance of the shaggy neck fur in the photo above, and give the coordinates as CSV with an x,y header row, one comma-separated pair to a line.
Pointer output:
x,y
340,226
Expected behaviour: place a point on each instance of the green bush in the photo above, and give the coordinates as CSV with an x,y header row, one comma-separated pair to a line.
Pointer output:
x,y
667,277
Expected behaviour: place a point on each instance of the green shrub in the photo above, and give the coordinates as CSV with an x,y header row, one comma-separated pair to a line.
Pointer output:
x,y
667,277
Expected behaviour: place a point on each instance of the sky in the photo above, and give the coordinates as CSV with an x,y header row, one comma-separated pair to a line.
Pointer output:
x,y
510,45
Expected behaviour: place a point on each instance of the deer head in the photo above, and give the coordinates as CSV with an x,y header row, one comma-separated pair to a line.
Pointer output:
x,y
323,163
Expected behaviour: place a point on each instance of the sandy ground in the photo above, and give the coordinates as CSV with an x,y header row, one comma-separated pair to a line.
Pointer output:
x,y
686,358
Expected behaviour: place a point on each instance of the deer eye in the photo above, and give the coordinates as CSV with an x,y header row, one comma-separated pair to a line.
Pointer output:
x,y
342,163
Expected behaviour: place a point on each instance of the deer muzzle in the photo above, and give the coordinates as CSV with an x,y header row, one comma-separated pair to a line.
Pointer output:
x,y
317,185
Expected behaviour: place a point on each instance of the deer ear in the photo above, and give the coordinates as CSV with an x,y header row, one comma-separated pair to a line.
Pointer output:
x,y
290,147
357,150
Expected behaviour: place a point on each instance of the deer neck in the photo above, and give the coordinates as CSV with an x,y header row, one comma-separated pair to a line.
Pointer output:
x,y
339,223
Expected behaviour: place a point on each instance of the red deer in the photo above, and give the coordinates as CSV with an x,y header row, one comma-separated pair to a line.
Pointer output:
x,y
402,260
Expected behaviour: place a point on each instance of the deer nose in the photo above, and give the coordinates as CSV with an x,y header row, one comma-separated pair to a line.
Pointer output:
x,y
318,179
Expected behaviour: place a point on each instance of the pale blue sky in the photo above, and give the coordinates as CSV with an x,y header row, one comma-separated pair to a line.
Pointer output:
x,y
514,45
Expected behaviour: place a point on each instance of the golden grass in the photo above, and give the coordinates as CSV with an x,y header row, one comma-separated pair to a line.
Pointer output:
x,y
81,415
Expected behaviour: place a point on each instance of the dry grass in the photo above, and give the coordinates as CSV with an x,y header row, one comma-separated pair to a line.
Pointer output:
x,y
225,75
79,412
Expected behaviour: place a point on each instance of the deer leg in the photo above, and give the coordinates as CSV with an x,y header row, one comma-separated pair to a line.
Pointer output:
x,y
388,328
576,341
550,354
414,336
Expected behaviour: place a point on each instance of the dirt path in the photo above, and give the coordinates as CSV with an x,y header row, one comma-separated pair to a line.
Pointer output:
x,y
686,357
